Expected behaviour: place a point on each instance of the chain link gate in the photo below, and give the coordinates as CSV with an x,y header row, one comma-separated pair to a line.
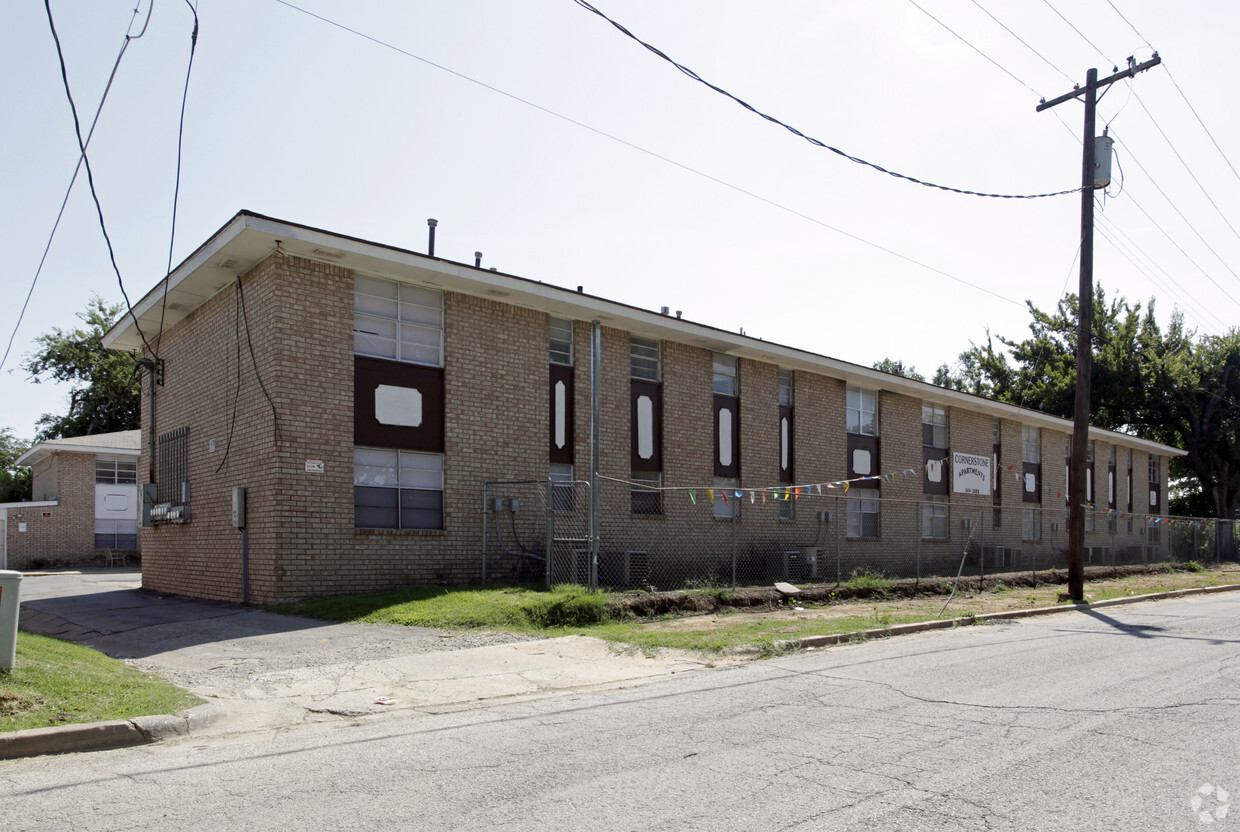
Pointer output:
x,y
524,520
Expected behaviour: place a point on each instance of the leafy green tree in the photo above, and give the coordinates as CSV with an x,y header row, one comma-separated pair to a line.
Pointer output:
x,y
14,481
1172,387
897,368
104,393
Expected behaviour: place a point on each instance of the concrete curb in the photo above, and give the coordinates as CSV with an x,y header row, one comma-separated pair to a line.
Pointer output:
x,y
948,623
104,736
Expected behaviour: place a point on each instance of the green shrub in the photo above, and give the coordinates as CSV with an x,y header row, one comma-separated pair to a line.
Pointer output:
x,y
872,583
567,605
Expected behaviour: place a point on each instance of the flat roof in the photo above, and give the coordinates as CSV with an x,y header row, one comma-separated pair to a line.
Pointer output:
x,y
248,238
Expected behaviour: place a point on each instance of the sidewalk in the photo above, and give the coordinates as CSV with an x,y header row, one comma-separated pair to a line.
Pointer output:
x,y
261,671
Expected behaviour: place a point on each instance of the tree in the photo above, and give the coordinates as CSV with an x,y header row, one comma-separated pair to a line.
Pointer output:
x,y
1172,387
105,386
897,368
14,481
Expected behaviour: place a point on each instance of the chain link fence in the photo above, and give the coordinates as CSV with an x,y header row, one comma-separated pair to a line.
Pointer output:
x,y
668,538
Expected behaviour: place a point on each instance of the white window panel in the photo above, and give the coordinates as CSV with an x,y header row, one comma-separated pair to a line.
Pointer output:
x,y
372,466
421,470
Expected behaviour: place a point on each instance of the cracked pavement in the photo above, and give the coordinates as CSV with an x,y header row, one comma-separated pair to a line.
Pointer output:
x,y
1061,722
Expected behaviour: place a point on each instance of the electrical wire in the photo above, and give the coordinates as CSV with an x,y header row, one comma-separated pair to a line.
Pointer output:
x,y
73,179
652,153
1046,60
1199,121
1191,227
1206,193
90,178
176,190
275,417
232,421
962,39
1126,20
794,131
1078,31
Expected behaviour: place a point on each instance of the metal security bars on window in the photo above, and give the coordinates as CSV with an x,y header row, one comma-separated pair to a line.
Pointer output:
x,y
172,486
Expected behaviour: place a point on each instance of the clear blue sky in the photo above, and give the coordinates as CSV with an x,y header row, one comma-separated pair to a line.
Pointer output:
x,y
292,117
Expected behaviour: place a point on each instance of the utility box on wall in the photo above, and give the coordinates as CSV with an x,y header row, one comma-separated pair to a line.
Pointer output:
x,y
238,507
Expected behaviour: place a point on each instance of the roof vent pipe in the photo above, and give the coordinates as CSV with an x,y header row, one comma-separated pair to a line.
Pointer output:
x,y
477,259
430,245
678,313
665,310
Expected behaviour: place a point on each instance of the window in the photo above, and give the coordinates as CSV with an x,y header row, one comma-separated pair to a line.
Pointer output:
x,y
862,411
725,380
1031,524
787,510
562,342
1155,479
1030,444
116,534
172,458
933,426
862,518
115,471
934,518
397,489
727,503
785,388
645,359
561,477
397,321
644,497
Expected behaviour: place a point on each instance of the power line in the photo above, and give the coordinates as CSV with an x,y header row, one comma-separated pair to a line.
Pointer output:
x,y
963,40
1130,26
1078,31
650,153
176,190
793,130
1158,127
90,177
1175,208
73,179
1202,123
1019,38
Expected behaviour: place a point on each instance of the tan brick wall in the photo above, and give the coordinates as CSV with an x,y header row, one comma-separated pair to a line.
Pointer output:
x,y
66,535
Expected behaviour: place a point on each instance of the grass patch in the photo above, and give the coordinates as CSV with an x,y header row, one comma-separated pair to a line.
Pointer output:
x,y
870,583
55,682
517,609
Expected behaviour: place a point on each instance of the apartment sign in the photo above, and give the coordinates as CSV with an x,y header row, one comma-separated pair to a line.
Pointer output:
x,y
970,474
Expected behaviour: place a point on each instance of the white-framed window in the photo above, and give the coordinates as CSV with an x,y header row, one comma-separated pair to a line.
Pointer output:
x,y
1031,524
994,430
1155,477
645,496
116,534
394,489
399,321
116,471
561,341
862,408
561,476
934,517
786,388
645,359
862,520
725,375
727,502
1030,444
933,426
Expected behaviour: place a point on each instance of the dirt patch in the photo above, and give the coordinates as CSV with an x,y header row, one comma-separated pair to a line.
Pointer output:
x,y
698,611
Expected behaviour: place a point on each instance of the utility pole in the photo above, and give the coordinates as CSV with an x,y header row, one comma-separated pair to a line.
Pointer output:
x,y
1077,493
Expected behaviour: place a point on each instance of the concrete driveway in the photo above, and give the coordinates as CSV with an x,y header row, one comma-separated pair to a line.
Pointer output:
x,y
268,671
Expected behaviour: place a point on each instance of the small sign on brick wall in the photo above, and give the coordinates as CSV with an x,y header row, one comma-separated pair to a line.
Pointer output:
x,y
314,466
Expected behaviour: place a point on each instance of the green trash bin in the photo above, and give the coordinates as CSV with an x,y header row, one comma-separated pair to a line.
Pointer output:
x,y
10,598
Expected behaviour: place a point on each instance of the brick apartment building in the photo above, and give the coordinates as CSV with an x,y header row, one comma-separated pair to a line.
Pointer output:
x,y
363,394
84,505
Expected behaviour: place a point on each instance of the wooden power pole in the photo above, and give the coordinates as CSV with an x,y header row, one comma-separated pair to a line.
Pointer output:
x,y
1077,493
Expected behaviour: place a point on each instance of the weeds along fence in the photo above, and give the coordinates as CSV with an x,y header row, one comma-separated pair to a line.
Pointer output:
x,y
629,536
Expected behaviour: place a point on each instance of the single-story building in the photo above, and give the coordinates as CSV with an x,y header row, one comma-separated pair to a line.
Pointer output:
x,y
84,506
393,417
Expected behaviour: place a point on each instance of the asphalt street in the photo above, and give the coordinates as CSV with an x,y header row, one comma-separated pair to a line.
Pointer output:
x,y
1123,719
